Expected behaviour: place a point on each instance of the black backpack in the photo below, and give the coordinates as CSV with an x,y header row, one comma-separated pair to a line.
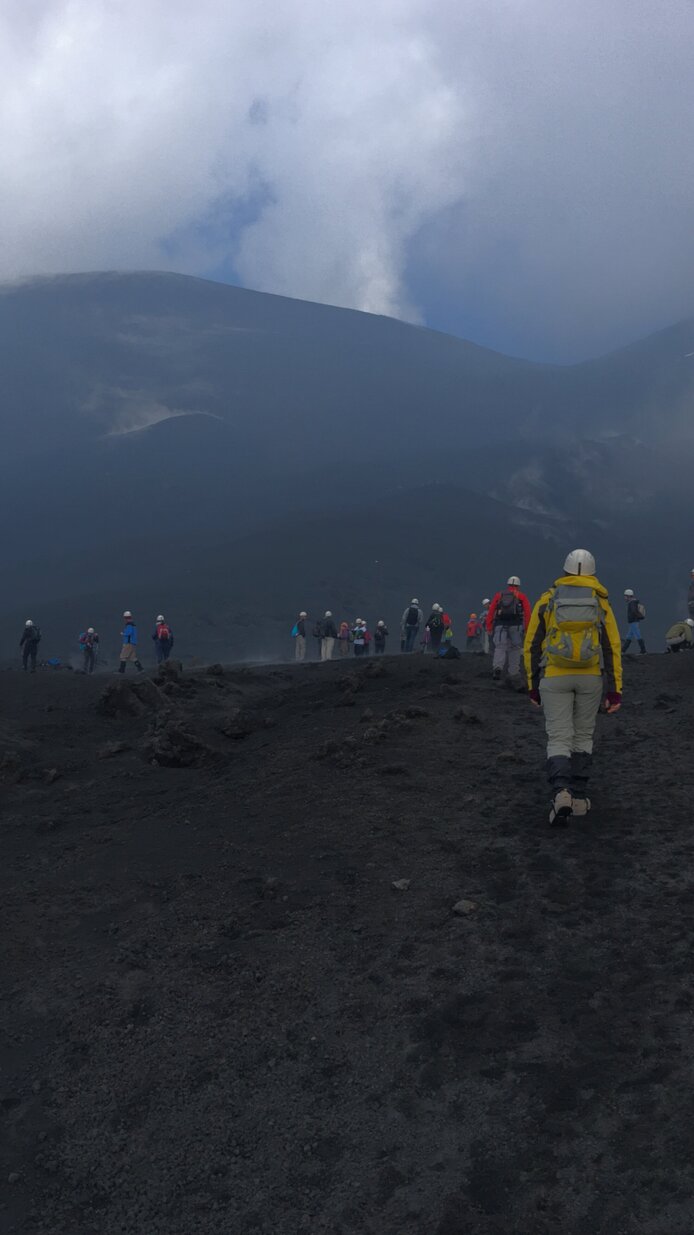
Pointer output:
x,y
412,618
435,621
509,610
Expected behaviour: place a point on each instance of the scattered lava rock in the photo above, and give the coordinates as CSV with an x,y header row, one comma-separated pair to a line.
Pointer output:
x,y
238,724
132,697
169,745
111,749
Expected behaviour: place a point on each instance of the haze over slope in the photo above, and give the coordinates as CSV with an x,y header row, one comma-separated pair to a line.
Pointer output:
x,y
235,453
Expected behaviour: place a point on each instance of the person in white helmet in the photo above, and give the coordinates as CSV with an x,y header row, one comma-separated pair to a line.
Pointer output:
x,y
29,643
380,636
573,656
89,645
329,635
410,625
507,620
680,637
128,652
636,613
483,623
163,639
435,625
299,635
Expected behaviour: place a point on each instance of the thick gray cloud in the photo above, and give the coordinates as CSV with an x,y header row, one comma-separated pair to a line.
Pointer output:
x,y
533,156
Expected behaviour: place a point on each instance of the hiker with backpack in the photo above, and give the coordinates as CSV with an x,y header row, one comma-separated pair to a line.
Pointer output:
x,y
690,595
410,625
359,638
329,636
89,644
344,639
507,620
29,643
636,613
299,636
435,626
483,623
128,652
163,639
380,636
573,657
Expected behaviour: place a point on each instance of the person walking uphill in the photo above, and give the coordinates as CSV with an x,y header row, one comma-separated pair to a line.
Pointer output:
x,y
410,624
128,652
163,639
507,620
636,612
29,643
572,656
329,636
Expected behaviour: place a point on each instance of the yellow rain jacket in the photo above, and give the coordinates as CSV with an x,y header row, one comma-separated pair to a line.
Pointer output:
x,y
610,642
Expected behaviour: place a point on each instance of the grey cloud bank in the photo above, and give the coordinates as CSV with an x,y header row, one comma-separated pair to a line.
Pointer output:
x,y
531,158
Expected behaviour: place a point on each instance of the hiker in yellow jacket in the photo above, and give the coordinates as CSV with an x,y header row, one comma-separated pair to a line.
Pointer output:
x,y
573,655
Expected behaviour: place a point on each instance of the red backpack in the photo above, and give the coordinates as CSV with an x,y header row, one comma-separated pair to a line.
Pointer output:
x,y
163,631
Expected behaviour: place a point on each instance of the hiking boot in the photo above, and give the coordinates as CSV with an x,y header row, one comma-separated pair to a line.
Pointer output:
x,y
642,645
581,808
562,807
496,675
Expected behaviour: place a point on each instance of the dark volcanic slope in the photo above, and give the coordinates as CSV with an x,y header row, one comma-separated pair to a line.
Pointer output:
x,y
219,1016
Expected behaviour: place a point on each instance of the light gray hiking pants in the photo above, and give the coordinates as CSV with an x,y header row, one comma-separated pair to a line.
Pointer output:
x,y
326,648
508,645
570,705
300,647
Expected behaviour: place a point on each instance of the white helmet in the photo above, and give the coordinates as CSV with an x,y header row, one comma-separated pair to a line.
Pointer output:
x,y
628,592
689,621
328,613
160,617
414,601
514,581
436,609
580,562
28,622
487,600
303,613
90,630
127,614
381,623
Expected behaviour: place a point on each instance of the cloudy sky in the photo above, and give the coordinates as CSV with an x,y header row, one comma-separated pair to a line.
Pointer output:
x,y
517,171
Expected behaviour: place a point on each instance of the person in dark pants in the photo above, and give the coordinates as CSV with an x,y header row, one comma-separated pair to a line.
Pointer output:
x,y
435,626
29,643
380,636
635,614
690,596
163,639
359,638
89,642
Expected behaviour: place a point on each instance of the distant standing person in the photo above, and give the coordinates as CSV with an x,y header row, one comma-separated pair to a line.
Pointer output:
x,y
573,657
410,624
344,639
359,637
507,620
128,652
318,636
690,595
483,623
89,643
299,634
163,639
329,637
380,636
680,637
474,634
435,627
636,613
29,643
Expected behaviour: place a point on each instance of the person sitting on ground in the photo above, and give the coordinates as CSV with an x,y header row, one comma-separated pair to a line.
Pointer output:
x,y
380,636
680,637
573,655
89,643
636,613
29,643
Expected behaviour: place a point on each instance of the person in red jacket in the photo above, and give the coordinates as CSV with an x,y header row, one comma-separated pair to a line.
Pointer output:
x,y
507,621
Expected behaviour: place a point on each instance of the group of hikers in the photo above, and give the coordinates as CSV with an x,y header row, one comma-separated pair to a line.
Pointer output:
x,y
569,644
89,643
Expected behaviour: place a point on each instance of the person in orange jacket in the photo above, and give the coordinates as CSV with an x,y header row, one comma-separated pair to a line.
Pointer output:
x,y
507,621
474,634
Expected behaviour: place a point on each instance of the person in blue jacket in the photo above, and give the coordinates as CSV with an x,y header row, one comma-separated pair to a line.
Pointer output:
x,y
128,650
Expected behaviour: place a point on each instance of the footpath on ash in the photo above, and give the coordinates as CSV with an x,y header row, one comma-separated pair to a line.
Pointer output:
x,y
293,949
